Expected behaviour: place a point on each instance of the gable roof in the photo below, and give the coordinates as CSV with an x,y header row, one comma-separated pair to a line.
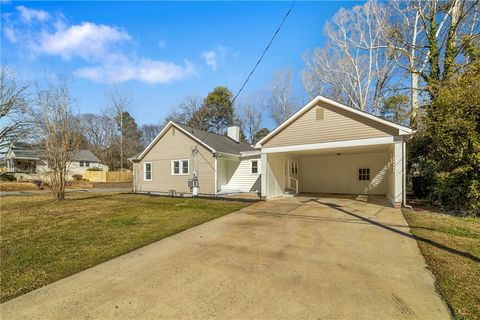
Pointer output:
x,y
85,155
403,130
212,141
25,150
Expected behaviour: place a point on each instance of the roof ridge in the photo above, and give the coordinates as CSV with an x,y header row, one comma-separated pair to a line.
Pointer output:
x,y
205,131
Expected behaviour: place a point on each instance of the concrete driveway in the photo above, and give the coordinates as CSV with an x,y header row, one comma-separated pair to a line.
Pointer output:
x,y
296,258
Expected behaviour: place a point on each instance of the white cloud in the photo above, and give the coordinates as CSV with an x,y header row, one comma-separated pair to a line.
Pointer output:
x,y
119,68
214,58
87,40
29,15
102,45
210,58
10,34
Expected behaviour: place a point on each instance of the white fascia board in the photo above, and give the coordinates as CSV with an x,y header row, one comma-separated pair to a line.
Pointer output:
x,y
227,155
331,145
164,130
250,153
403,130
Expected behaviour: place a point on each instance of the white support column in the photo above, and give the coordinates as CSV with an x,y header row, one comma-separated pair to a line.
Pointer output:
x,y
216,177
264,172
398,173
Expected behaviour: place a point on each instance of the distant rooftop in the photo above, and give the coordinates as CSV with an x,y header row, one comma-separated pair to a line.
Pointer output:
x,y
25,150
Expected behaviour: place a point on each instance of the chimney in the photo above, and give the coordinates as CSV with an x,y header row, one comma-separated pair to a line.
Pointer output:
x,y
234,133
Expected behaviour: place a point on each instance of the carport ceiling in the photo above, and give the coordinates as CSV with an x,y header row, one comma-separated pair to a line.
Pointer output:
x,y
344,150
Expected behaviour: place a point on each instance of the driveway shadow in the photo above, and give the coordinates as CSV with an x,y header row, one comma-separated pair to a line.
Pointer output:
x,y
402,233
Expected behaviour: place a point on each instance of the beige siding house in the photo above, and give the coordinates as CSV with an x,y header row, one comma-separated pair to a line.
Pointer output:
x,y
327,147
220,164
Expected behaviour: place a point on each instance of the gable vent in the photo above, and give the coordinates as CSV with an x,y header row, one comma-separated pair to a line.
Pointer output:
x,y
173,131
320,113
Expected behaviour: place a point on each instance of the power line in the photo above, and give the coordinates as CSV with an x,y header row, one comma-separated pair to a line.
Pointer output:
x,y
264,51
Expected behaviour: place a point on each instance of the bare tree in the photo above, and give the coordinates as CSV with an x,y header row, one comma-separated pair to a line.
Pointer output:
x,y
281,104
250,115
99,131
187,111
150,132
120,102
57,126
355,65
13,105
427,34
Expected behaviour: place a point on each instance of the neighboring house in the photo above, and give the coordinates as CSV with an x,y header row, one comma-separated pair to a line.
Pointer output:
x,y
26,158
179,153
325,147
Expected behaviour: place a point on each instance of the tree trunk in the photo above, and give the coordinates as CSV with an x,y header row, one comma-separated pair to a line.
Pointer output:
x,y
414,99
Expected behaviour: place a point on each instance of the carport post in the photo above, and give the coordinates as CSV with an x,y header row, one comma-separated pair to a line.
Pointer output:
x,y
264,172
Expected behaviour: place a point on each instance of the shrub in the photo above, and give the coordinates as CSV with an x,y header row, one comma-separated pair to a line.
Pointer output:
x,y
77,177
7,177
94,169
447,148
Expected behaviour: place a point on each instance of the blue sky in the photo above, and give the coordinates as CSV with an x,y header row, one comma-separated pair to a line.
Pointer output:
x,y
159,52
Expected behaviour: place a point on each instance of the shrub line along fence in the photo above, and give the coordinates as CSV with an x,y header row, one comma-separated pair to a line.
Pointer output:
x,y
108,176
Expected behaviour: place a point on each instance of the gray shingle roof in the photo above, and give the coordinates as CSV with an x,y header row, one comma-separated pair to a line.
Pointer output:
x,y
30,151
27,151
86,155
218,142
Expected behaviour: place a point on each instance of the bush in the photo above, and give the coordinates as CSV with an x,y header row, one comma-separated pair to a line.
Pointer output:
x,y
7,177
458,191
447,149
77,177
94,169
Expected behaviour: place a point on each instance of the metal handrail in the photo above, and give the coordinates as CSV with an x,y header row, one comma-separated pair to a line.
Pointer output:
x,y
290,183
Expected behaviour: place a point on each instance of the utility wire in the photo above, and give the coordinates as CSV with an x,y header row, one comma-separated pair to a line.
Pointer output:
x,y
265,51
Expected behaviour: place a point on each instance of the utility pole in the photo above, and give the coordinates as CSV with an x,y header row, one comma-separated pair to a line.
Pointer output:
x,y
121,140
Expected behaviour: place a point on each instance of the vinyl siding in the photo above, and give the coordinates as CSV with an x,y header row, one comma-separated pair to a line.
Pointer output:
x,y
239,176
170,147
337,125
339,174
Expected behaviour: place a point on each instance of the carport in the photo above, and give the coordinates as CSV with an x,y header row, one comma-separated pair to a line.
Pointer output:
x,y
327,147
368,170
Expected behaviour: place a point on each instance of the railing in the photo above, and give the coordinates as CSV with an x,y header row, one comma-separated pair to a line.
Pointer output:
x,y
290,183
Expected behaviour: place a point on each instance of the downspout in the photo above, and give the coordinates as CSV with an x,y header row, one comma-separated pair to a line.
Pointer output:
x,y
404,169
216,175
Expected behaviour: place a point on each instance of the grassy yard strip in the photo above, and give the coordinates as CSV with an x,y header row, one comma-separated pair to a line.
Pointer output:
x,y
43,241
451,247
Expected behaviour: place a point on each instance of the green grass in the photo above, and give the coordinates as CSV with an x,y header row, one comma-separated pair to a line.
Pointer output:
x,y
43,240
451,247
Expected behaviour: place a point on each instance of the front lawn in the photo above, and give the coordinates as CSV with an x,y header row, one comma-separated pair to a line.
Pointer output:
x,y
43,240
451,247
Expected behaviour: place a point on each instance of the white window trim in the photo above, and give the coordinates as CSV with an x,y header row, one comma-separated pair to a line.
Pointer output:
x,y
145,171
180,167
369,174
258,166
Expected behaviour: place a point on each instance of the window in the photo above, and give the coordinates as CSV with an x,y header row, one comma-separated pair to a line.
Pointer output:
x,y
147,171
364,174
254,167
82,164
294,168
87,164
320,113
180,167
